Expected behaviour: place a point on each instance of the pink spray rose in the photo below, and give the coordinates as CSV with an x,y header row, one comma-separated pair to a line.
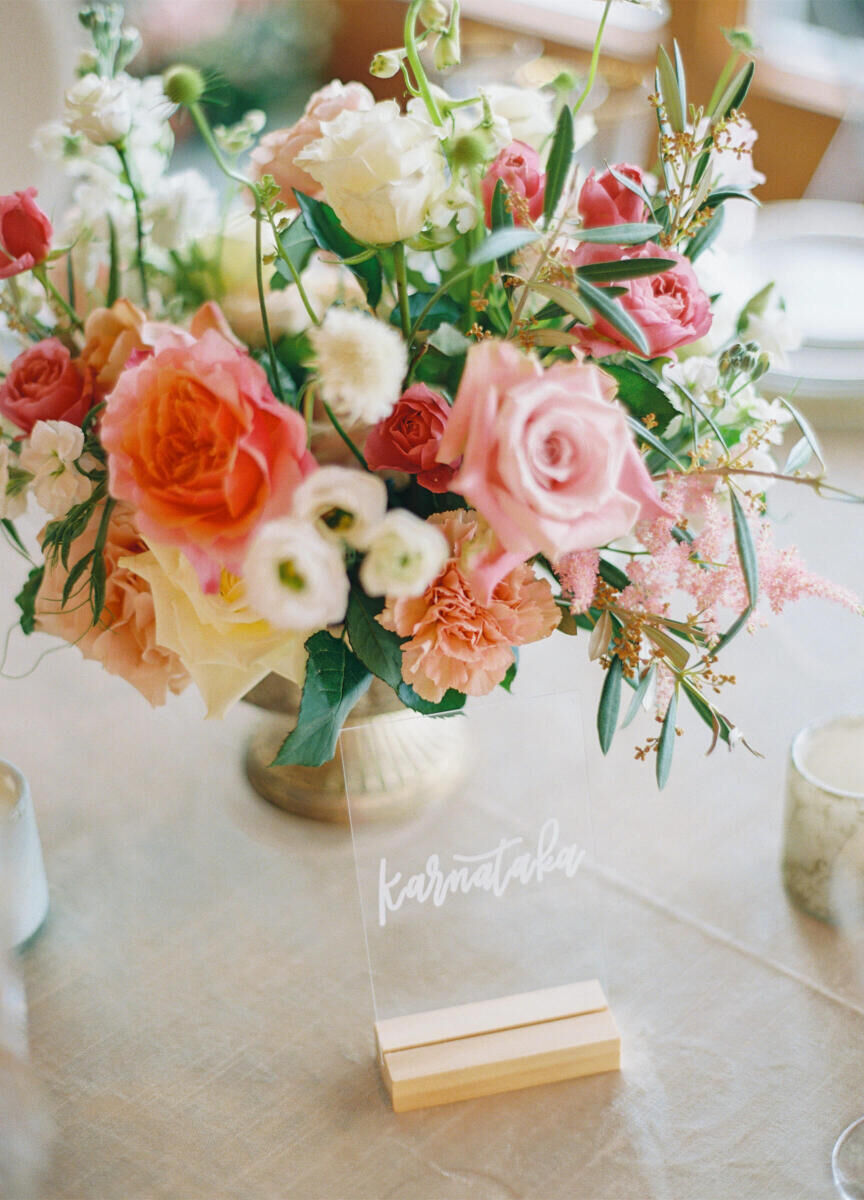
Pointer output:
x,y
457,641
276,151
25,233
518,167
607,201
548,458
408,439
44,384
670,308
202,448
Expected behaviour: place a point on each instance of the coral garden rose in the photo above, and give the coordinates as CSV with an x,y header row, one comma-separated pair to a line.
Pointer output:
x,y
44,384
25,233
518,168
198,443
605,200
671,308
276,152
548,458
112,335
454,639
124,639
409,438
381,171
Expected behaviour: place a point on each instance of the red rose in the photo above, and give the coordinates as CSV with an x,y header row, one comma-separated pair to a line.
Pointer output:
x,y
25,233
408,439
518,167
44,385
606,201
670,308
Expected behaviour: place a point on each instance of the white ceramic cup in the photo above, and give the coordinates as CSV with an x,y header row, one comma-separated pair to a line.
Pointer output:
x,y
23,888
823,852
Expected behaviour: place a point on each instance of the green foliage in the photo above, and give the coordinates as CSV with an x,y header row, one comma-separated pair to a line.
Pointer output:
x,y
610,704
621,235
297,245
379,649
666,744
559,163
624,268
640,394
639,693
327,230
26,599
443,311
669,91
510,678
502,242
705,237
598,299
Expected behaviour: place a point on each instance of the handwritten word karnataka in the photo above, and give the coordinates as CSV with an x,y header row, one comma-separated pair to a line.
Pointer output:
x,y
492,871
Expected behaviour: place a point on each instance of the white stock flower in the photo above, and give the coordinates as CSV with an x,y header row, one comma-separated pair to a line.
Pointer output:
x,y
50,455
405,554
99,109
775,332
181,208
361,364
294,577
343,504
699,375
528,112
381,171
11,506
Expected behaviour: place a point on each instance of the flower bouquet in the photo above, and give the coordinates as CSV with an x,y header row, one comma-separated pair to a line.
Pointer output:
x,y
418,392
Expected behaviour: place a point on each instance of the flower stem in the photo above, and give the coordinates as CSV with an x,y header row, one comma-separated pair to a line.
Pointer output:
x,y
262,304
595,58
413,56
52,293
402,288
295,274
139,224
334,421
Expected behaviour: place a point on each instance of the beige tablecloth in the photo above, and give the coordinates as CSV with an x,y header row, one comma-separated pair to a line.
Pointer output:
x,y
199,998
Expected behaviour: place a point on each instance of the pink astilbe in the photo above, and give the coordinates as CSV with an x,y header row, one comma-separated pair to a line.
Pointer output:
x,y
577,574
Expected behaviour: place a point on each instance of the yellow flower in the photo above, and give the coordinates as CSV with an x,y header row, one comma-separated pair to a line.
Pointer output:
x,y
224,644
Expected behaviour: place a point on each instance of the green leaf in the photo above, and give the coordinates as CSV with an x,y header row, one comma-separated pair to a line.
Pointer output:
x,y
746,549
507,682
501,218
564,300
640,395
666,745
113,290
379,649
799,456
501,243
610,704
14,536
559,162
449,341
328,232
620,235
718,725
706,236
26,599
624,268
740,39
632,186
612,575
733,94
806,430
690,399
639,693
667,86
73,577
444,310
647,435
596,298
680,77
297,243
451,702
722,194
335,681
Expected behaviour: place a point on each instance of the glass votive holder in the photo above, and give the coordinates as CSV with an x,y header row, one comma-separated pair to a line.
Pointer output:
x,y
823,851
23,887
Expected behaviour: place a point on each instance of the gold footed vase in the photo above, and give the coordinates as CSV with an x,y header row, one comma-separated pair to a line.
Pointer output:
x,y
395,762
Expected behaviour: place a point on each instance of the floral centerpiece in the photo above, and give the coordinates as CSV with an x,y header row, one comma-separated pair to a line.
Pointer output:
x,y
418,393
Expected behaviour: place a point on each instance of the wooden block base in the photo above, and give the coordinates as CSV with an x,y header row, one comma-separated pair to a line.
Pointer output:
x,y
497,1045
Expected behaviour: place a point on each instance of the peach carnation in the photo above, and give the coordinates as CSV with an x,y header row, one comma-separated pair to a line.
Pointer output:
x,y
456,642
124,638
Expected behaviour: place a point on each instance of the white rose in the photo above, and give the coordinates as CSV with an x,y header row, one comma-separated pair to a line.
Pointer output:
x,y
294,577
50,455
99,109
344,505
381,171
361,364
11,505
405,555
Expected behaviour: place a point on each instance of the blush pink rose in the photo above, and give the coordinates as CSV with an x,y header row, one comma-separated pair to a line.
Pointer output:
x,y
518,167
548,458
276,151
25,233
454,639
606,201
44,384
202,449
670,308
124,639
408,439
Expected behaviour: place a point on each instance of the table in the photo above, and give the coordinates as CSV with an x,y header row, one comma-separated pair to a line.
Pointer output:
x,y
199,1000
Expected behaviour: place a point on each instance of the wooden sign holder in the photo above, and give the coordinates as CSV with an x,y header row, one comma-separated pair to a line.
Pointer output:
x,y
497,1045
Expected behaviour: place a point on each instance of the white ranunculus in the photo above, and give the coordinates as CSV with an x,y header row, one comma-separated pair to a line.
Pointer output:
x,y
11,506
361,364
50,455
405,555
381,171
295,578
99,109
344,505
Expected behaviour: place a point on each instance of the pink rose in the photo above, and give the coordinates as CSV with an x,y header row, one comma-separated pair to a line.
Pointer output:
x,y
44,384
606,201
548,458
25,233
202,449
670,308
276,151
518,167
408,439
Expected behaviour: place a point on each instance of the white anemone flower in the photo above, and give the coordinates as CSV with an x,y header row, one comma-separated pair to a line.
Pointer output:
x,y
51,454
343,504
405,555
294,577
361,365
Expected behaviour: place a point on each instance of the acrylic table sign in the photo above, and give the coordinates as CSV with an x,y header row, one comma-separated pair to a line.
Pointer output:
x,y
482,924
